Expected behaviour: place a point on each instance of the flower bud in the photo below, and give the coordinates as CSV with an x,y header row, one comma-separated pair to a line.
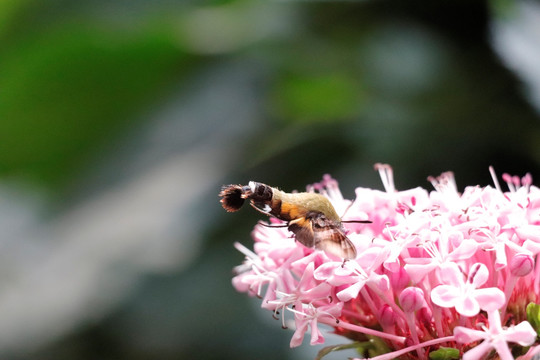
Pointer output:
x,y
521,264
411,299
386,316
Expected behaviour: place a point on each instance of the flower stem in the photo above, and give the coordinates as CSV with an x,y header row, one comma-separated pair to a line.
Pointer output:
x,y
364,330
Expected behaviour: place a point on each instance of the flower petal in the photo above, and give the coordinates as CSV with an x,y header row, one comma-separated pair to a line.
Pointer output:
x,y
321,291
307,277
451,274
502,349
523,334
478,274
298,336
478,351
465,250
326,271
490,298
467,306
530,232
350,292
465,335
316,335
418,268
445,295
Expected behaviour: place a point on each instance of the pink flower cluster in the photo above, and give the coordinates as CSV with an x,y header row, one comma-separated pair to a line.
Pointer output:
x,y
434,269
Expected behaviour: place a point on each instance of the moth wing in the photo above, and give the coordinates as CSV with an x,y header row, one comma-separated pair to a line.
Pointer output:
x,y
322,234
303,231
335,242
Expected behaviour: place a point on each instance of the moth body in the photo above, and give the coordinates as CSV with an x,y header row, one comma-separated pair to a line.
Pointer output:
x,y
310,216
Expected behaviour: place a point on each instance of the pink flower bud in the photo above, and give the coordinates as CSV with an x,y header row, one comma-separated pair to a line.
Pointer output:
x,y
521,264
386,316
411,299
527,179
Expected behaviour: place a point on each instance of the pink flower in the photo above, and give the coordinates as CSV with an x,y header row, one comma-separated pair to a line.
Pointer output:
x,y
430,266
309,315
465,294
495,337
307,290
350,277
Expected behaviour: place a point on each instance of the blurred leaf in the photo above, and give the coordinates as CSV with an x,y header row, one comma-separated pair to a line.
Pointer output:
x,y
533,316
9,11
318,98
444,353
66,90
503,8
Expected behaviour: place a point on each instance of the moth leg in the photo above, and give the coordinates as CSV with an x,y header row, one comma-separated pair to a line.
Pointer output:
x,y
273,225
263,208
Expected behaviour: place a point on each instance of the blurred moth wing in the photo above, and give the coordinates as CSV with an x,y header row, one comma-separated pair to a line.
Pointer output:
x,y
316,231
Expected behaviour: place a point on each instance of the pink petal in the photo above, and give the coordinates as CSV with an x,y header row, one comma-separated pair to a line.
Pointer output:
x,y
298,336
478,274
451,274
417,270
445,295
316,257
343,270
523,334
531,232
332,310
465,335
478,351
502,350
326,271
381,281
500,259
490,299
393,265
351,292
316,335
239,284
399,280
269,296
465,250
532,246
456,238
467,306
367,258
318,292
307,277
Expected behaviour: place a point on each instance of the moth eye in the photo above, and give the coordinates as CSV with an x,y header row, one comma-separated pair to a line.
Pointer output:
x,y
319,222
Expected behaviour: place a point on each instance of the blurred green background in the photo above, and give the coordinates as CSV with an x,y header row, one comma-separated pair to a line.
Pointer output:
x,y
120,120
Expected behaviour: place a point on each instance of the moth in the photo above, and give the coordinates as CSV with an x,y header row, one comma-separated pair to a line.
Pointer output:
x,y
310,216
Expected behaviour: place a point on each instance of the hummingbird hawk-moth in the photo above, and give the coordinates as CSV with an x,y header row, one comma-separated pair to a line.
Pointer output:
x,y
310,216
